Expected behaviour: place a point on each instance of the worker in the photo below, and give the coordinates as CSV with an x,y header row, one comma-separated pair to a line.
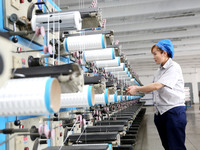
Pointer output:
x,y
168,97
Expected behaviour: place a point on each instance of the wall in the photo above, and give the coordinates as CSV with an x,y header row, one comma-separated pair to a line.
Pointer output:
x,y
190,75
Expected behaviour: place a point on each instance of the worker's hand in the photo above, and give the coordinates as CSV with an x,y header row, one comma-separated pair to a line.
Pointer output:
x,y
132,90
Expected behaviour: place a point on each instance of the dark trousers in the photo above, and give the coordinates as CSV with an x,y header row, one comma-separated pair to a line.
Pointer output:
x,y
171,128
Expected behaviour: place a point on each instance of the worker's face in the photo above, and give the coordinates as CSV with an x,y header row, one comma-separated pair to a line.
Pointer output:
x,y
158,57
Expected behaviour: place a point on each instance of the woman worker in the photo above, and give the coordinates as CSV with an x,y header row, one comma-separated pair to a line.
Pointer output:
x,y
168,96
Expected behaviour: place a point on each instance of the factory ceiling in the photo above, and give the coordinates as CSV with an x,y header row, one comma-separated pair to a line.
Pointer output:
x,y
139,24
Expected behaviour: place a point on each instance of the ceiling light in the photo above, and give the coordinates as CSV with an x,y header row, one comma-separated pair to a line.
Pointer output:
x,y
185,14
170,30
136,54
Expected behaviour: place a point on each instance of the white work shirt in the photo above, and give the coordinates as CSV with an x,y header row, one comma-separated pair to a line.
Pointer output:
x,y
172,94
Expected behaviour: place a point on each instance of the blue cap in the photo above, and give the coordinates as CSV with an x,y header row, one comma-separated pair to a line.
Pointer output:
x,y
119,61
84,56
166,45
113,53
106,96
123,66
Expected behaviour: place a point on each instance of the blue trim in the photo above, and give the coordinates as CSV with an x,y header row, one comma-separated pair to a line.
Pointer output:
x,y
129,74
110,146
123,66
66,60
39,6
13,118
47,95
43,7
21,40
125,97
84,56
126,70
113,53
84,68
103,41
66,109
136,97
54,5
115,97
106,96
1,17
32,45
49,140
3,136
136,82
121,99
66,46
118,61
26,42
89,96
4,120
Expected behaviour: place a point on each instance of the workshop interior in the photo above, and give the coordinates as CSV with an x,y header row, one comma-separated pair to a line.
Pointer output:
x,y
64,71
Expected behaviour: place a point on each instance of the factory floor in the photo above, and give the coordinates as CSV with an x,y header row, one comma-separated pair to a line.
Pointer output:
x,y
148,138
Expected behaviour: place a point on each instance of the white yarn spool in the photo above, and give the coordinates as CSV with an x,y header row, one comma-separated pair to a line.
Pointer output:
x,y
81,99
122,77
5,60
126,78
103,54
115,69
119,98
126,70
102,98
30,96
124,98
129,74
85,42
65,21
108,63
133,80
119,73
127,97
113,98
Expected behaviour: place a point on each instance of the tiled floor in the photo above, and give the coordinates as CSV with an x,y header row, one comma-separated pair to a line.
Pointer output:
x,y
148,138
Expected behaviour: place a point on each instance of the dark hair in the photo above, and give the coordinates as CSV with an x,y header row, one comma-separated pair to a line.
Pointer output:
x,y
159,49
